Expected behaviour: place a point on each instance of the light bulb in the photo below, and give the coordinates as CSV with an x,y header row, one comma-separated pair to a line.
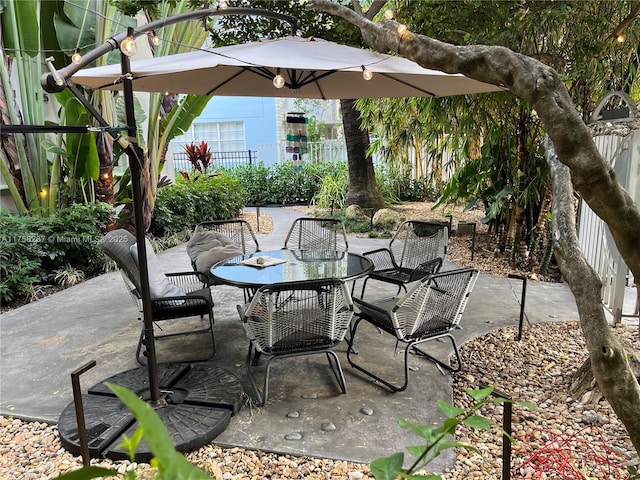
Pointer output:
x,y
76,57
278,80
366,74
621,38
155,40
128,46
222,4
388,15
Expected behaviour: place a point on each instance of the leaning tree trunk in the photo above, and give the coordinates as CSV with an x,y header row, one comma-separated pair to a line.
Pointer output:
x,y
363,189
543,89
607,356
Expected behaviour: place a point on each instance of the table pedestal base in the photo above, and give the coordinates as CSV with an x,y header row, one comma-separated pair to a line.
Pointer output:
x,y
200,402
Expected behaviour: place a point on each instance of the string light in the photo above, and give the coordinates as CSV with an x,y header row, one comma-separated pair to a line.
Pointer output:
x,y
278,80
389,15
76,57
128,46
366,73
222,4
155,40
621,38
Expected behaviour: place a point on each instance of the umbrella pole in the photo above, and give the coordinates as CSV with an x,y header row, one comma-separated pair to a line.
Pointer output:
x,y
136,158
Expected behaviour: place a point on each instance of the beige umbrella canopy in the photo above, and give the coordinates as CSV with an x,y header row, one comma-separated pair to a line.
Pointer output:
x,y
310,68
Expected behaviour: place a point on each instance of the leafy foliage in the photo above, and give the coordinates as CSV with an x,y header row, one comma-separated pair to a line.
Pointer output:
x,y
36,249
283,184
437,439
182,206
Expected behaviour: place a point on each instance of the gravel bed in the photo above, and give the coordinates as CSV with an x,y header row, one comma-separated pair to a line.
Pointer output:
x,y
563,433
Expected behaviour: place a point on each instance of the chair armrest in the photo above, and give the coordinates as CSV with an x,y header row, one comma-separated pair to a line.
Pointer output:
x,y
382,259
426,268
189,281
370,306
179,301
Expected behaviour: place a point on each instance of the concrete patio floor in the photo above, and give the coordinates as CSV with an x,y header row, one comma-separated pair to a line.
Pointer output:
x,y
43,342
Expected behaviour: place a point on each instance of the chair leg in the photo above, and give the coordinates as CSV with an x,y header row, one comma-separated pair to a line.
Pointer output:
x,y
253,355
435,360
334,362
251,360
139,348
351,351
209,329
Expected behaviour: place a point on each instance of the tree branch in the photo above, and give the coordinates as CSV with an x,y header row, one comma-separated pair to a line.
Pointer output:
x,y
608,357
635,12
541,86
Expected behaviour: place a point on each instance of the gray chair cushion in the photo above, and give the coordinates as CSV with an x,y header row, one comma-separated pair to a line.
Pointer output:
x,y
159,284
205,248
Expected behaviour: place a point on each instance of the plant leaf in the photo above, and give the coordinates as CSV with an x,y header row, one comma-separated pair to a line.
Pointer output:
x,y
481,394
449,410
478,422
86,473
387,468
28,28
425,431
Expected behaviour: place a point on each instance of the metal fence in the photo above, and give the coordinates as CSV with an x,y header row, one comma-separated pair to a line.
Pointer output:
x,y
219,159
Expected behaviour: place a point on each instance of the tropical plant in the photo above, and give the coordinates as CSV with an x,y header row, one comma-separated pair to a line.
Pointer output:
x,y
492,143
35,250
68,276
45,172
182,206
23,162
440,438
200,157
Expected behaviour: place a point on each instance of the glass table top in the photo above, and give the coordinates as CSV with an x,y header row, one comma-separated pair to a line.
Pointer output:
x,y
296,266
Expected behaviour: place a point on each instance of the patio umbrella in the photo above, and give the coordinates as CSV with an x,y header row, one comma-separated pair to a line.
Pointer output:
x,y
310,68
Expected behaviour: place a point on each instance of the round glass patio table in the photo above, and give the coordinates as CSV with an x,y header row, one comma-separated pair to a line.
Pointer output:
x,y
295,266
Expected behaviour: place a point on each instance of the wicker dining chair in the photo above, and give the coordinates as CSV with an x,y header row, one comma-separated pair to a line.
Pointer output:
x,y
309,233
417,249
430,310
287,320
175,296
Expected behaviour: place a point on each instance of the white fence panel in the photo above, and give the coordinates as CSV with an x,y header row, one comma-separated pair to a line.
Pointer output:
x,y
593,234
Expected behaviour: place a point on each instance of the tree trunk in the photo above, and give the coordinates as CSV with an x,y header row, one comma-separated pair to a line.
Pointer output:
x,y
363,189
608,357
579,160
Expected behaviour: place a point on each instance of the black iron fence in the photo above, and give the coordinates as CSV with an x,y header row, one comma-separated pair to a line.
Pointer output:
x,y
219,159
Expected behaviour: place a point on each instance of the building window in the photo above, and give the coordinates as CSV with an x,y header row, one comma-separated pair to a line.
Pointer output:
x,y
220,136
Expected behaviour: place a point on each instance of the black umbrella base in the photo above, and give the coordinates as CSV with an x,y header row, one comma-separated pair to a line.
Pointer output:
x,y
200,402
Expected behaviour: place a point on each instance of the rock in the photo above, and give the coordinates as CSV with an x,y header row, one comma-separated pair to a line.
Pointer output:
x,y
354,212
387,218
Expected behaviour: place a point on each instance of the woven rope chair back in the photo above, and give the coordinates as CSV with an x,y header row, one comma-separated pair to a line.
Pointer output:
x,y
416,242
434,305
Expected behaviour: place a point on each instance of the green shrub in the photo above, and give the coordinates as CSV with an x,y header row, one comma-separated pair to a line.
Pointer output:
x,y
33,249
284,183
333,188
182,206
